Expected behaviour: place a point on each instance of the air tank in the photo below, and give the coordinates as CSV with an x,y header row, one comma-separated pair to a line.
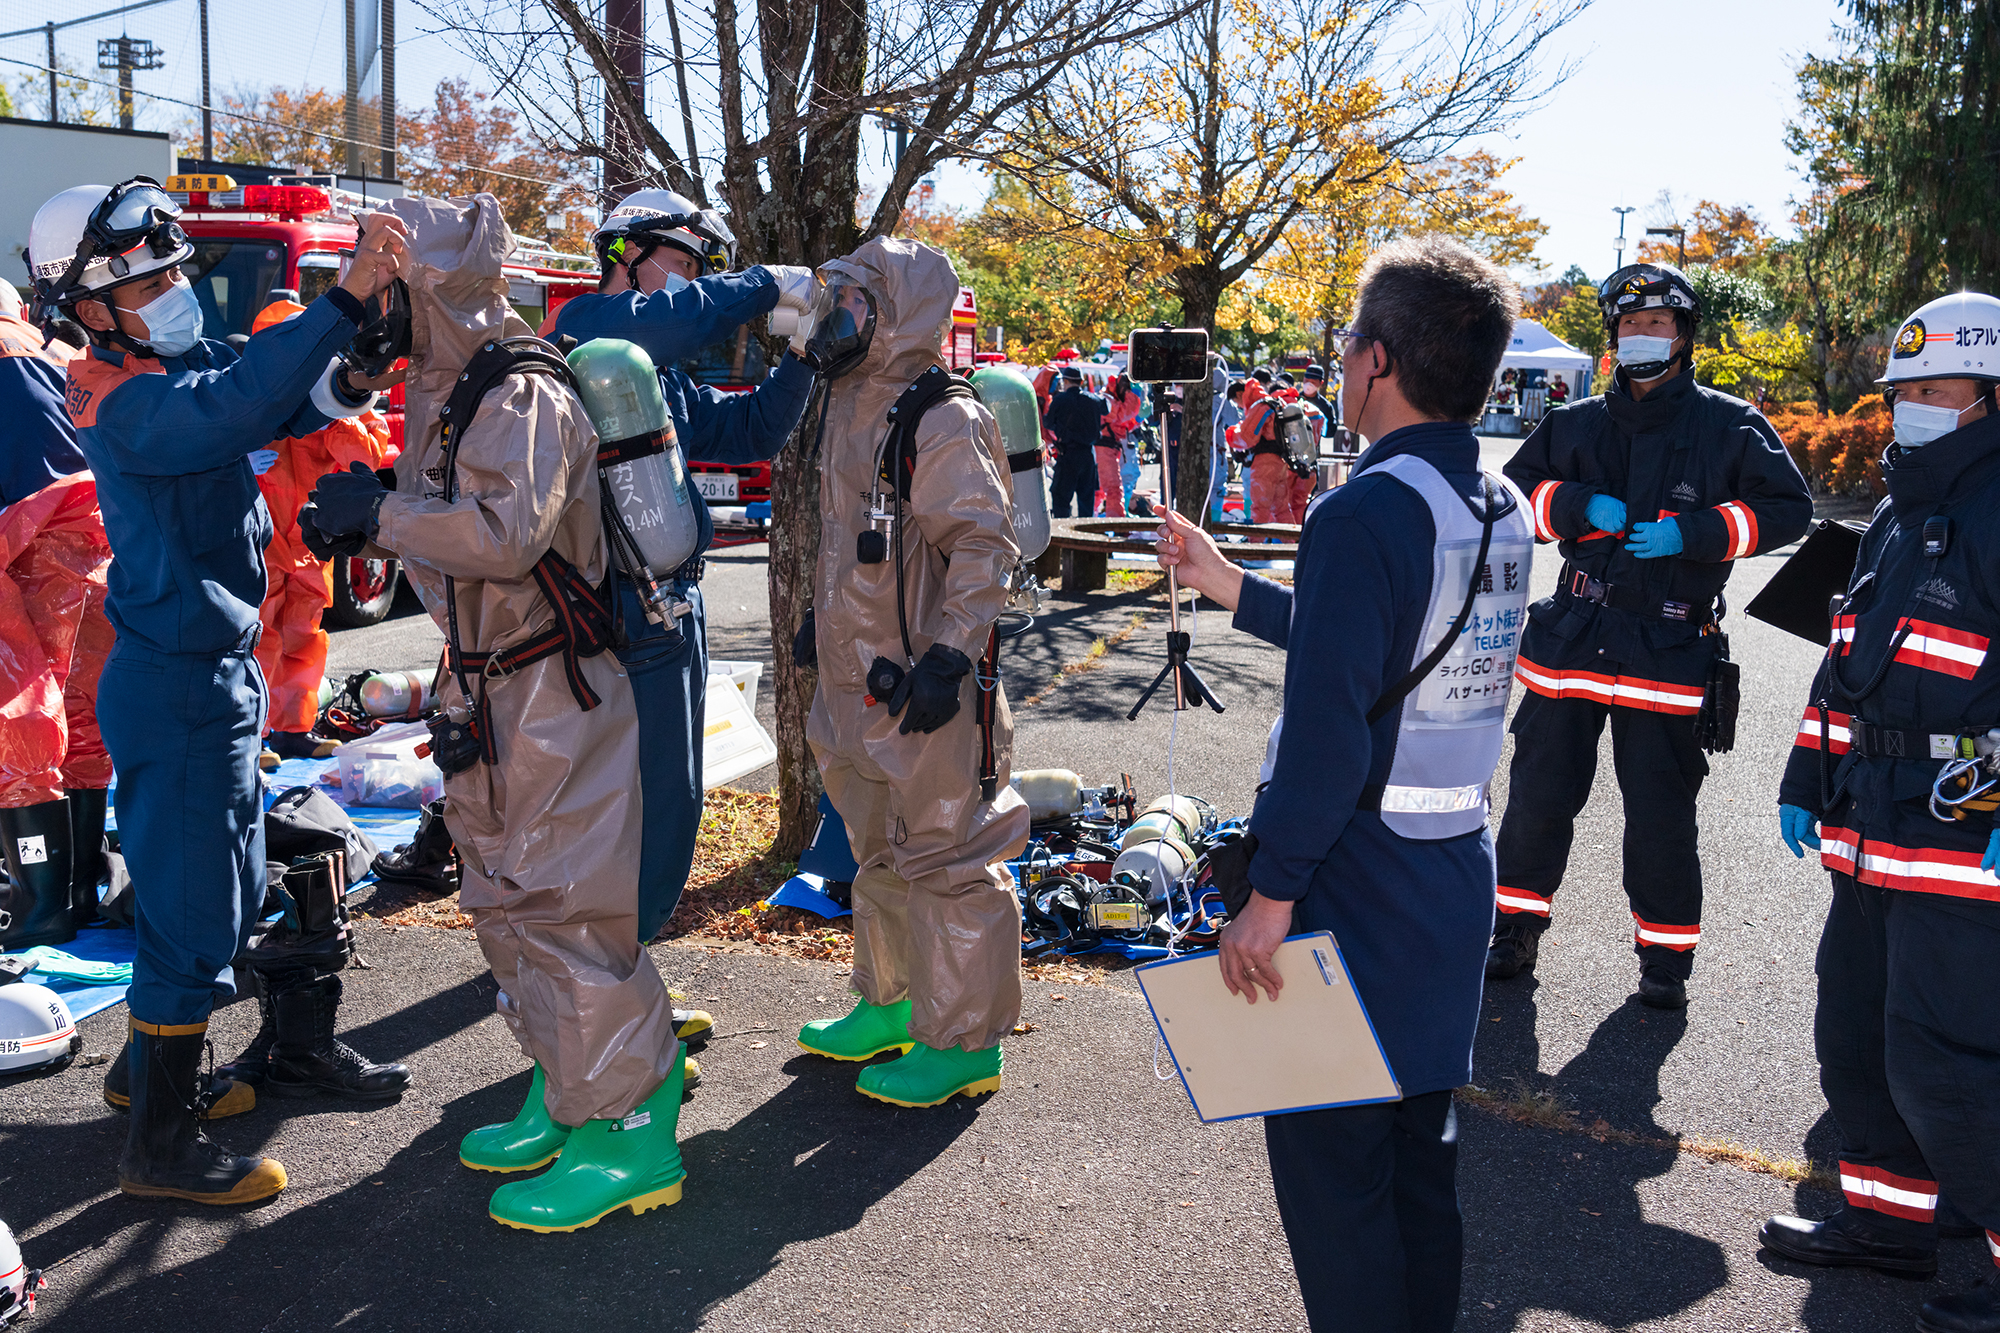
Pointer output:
x,y
639,463
1011,399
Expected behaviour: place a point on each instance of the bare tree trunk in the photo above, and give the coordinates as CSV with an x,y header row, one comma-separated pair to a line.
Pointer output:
x,y
1201,294
794,544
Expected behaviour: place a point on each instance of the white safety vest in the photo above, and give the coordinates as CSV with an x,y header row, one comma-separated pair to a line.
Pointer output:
x,y
1453,723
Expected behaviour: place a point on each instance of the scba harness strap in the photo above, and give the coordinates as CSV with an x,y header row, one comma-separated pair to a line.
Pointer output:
x,y
583,621
898,468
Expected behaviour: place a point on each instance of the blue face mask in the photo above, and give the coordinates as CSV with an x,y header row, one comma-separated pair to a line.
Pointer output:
x,y
1645,358
173,319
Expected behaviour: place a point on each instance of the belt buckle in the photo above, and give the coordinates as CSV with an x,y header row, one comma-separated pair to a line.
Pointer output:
x,y
1579,584
498,668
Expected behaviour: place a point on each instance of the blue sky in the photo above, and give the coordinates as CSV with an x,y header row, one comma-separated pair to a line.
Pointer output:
x,y
1690,97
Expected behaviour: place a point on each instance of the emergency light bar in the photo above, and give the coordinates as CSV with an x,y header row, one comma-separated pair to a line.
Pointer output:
x,y
210,193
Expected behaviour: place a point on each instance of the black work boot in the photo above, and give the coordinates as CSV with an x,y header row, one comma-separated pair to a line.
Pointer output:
x,y
307,1058
1845,1241
86,841
226,1095
35,845
166,1154
1974,1311
1513,951
254,1065
428,861
1661,989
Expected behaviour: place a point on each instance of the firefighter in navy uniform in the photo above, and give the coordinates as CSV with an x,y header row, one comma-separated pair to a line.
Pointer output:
x,y
1894,762
1653,489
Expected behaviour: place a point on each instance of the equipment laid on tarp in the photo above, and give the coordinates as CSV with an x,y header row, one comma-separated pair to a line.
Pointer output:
x,y
1100,873
1799,598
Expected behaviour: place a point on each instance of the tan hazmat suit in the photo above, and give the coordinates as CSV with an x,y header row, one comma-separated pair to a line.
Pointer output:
x,y
935,915
549,834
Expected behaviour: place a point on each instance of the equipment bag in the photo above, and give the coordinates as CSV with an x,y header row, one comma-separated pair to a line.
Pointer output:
x,y
305,821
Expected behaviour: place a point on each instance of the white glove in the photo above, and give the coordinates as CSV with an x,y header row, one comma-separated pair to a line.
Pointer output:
x,y
796,286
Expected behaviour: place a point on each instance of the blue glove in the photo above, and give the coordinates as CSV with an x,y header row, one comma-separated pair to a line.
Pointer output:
x,y
1800,830
1606,513
1650,541
262,460
347,501
1992,857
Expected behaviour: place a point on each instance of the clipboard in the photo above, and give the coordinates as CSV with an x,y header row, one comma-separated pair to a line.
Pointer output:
x,y
1313,1048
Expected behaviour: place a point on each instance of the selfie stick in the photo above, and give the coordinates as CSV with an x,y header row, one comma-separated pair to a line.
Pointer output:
x,y
1190,690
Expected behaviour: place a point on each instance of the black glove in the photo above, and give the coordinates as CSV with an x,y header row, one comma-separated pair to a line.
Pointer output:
x,y
347,501
322,546
930,691
805,644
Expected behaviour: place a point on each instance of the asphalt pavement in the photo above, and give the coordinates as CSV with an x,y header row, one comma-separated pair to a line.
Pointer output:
x,y
1084,1195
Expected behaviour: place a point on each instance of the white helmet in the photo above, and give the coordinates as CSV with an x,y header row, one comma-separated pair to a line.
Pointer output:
x,y
648,218
35,1028
91,238
19,1284
1954,337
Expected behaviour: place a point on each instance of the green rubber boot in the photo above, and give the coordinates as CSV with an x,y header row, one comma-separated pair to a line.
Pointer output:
x,y
867,1032
606,1165
527,1141
929,1077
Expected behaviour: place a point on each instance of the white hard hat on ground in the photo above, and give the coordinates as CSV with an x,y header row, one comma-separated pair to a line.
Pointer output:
x,y
35,1028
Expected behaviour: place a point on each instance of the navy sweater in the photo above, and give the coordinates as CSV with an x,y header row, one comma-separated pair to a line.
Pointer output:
x,y
1412,918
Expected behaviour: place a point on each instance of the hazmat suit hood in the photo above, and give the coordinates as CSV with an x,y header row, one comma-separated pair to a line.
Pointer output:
x,y
458,299
914,289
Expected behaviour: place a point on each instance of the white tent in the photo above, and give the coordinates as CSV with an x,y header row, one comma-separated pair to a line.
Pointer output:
x,y
1535,348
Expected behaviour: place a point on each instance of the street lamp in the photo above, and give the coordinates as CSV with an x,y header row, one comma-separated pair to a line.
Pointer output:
x,y
1680,236
1618,242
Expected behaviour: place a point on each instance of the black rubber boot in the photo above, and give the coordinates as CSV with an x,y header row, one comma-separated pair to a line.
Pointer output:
x,y
307,1058
1513,951
166,1154
226,1096
35,844
428,861
1974,1311
86,840
1844,1241
253,1066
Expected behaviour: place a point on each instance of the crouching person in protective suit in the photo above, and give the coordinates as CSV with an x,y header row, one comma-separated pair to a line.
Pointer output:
x,y
909,724
495,517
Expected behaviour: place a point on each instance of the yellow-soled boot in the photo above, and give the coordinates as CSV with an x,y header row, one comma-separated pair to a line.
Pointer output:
x,y
928,1076
633,1162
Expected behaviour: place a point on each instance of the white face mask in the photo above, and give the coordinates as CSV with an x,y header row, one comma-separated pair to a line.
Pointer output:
x,y
173,319
673,282
1920,423
1636,350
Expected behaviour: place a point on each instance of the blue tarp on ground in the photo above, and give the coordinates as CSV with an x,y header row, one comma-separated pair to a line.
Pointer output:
x,y
389,829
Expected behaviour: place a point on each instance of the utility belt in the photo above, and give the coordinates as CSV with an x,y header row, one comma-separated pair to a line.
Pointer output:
x,y
582,629
1581,586
1873,742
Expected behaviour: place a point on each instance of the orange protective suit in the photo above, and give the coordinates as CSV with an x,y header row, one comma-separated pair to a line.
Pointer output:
x,y
298,585
53,642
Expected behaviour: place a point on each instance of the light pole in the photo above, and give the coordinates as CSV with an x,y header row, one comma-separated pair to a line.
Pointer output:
x,y
1618,243
1680,238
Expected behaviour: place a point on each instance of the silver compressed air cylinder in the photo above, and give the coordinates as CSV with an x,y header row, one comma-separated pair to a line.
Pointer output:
x,y
638,456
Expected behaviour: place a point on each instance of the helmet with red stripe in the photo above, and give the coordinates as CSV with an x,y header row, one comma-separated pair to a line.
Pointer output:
x,y
35,1028
1954,337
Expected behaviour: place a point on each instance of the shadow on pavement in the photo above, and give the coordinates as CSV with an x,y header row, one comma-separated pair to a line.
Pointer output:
x,y
1593,1206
